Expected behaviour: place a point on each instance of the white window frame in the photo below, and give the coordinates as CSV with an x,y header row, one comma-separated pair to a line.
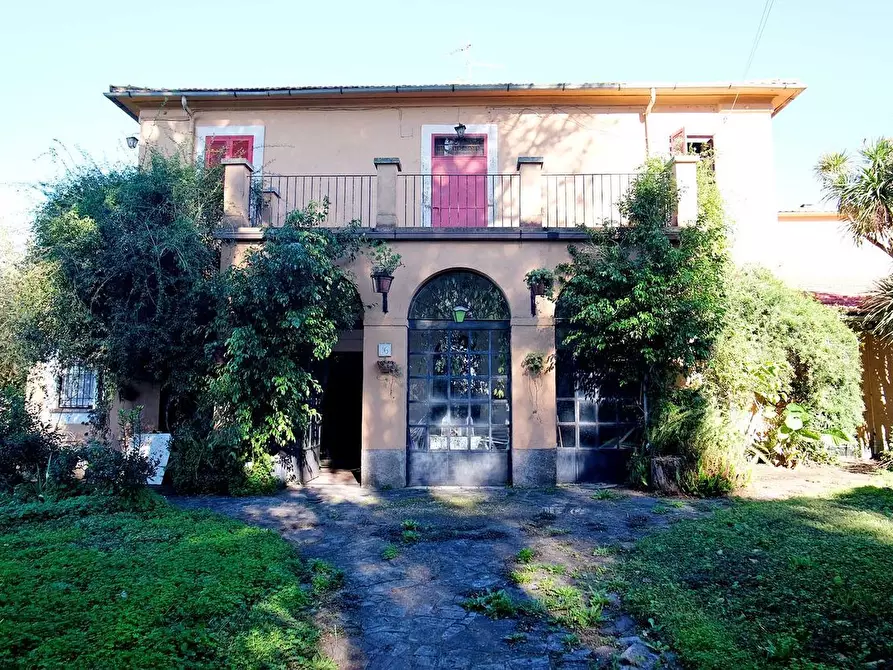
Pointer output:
x,y
428,132
202,133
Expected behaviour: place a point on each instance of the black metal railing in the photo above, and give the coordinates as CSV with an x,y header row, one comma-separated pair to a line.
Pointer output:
x,y
458,200
351,197
572,200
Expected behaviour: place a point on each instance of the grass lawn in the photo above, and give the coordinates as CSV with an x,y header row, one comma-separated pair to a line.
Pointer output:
x,y
97,583
800,583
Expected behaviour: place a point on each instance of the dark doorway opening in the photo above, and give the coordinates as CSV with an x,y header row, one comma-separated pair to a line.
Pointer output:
x,y
342,417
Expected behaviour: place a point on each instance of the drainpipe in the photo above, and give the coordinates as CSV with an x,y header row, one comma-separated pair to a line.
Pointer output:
x,y
191,116
645,117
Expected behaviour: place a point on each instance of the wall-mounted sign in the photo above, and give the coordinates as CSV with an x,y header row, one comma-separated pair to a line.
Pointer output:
x,y
384,349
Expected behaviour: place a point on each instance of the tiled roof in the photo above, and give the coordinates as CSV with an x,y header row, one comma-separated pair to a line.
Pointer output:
x,y
838,300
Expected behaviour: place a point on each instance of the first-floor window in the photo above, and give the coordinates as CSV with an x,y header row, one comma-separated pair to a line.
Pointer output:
x,y
76,388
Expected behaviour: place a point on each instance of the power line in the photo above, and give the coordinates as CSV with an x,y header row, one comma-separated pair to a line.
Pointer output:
x,y
761,28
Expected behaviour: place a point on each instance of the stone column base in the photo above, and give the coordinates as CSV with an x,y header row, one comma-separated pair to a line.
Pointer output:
x,y
384,468
533,467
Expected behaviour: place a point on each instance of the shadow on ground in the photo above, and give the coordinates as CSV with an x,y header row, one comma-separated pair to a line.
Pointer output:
x,y
407,612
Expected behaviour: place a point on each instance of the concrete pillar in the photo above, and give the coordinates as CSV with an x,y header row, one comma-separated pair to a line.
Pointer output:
x,y
271,215
685,173
534,443
384,407
531,170
236,192
386,192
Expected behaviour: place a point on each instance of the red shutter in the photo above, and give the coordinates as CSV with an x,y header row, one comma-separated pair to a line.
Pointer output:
x,y
677,142
215,150
219,147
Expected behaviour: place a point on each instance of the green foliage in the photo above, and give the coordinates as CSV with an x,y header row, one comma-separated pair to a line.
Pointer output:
x,y
390,552
204,461
26,446
863,191
780,346
542,278
257,477
104,582
116,472
278,318
495,604
878,307
646,309
525,555
801,583
120,272
14,356
537,363
385,260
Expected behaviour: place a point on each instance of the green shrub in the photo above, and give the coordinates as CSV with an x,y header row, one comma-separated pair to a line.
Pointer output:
x,y
204,461
112,471
258,478
26,446
779,348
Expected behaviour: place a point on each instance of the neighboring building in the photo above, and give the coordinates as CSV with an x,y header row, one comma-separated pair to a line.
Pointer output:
x,y
474,186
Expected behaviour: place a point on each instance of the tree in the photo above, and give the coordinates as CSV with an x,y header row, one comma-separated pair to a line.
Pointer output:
x,y
862,191
121,271
279,316
646,309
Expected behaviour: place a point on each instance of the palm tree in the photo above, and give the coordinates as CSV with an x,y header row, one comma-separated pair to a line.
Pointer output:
x,y
863,191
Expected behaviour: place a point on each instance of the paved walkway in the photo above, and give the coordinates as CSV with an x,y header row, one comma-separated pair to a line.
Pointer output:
x,y
407,613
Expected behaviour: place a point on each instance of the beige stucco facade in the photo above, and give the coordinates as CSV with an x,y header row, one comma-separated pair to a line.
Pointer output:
x,y
533,134
572,138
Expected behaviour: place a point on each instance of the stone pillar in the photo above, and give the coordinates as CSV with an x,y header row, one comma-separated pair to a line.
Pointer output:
x,y
534,444
236,192
531,171
386,192
685,173
384,406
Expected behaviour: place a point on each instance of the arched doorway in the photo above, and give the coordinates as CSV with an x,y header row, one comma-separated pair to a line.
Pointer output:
x,y
459,383
594,433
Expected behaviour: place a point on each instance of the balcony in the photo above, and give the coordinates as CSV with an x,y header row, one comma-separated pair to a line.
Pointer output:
x,y
390,200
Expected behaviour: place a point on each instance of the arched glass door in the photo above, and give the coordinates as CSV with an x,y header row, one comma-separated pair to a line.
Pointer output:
x,y
459,386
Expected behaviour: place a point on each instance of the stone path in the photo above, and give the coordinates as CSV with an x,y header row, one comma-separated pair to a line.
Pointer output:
x,y
407,612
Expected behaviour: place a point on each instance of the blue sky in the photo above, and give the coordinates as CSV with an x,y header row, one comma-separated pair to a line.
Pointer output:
x,y
59,57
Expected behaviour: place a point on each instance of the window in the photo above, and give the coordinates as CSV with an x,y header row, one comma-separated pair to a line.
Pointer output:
x,y
460,146
218,147
683,144
609,420
76,388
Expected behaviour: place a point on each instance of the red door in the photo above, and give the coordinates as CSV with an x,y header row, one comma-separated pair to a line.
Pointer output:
x,y
459,181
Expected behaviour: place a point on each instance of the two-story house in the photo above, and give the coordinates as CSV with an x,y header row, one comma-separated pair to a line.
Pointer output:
x,y
474,185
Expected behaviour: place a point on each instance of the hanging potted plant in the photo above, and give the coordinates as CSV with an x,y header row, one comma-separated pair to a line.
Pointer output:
x,y
540,282
536,364
384,262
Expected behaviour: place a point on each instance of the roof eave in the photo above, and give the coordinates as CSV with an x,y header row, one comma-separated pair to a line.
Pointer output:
x,y
787,91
